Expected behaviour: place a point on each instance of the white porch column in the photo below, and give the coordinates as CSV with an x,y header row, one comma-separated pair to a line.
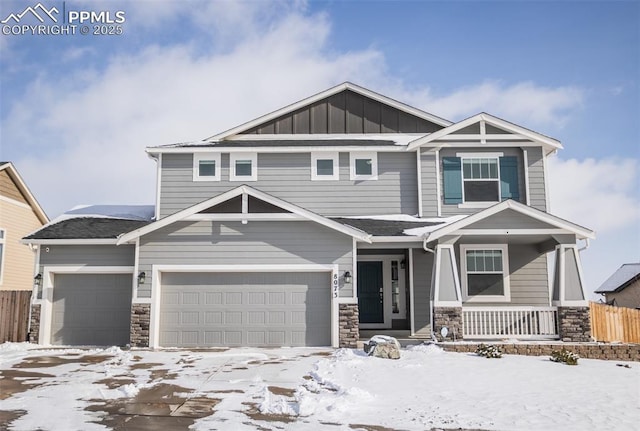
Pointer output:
x,y
569,295
445,294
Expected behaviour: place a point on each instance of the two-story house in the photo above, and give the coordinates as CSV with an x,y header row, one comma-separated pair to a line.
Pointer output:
x,y
342,211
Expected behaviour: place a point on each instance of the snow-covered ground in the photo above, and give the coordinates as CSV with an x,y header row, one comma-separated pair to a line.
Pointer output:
x,y
305,388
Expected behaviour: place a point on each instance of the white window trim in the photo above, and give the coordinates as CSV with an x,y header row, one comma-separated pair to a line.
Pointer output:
x,y
234,157
315,156
363,155
197,158
504,248
3,241
479,204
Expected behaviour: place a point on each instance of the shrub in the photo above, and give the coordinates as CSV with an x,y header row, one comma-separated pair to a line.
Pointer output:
x,y
489,351
564,356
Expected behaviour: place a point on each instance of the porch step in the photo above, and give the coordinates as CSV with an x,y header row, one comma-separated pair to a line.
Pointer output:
x,y
403,336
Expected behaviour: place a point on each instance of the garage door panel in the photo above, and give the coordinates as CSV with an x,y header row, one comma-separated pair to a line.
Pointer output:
x,y
246,309
91,309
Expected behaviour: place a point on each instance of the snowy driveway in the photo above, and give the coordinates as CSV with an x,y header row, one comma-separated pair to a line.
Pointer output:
x,y
306,388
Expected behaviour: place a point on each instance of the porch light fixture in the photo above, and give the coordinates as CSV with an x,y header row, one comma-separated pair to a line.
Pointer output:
x,y
37,280
141,278
347,277
403,264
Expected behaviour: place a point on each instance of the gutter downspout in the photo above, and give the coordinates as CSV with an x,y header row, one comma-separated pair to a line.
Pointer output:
x,y
586,245
424,245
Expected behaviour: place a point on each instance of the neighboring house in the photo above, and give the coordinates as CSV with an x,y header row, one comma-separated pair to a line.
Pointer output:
x,y
20,214
342,211
622,289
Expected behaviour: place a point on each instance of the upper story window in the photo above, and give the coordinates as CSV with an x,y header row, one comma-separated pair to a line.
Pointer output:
x,y
485,273
206,167
244,167
363,166
324,166
3,234
480,179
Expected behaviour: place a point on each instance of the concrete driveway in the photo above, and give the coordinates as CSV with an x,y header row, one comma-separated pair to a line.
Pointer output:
x,y
65,389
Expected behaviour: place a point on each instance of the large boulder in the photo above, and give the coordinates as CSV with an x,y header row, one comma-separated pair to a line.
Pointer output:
x,y
382,346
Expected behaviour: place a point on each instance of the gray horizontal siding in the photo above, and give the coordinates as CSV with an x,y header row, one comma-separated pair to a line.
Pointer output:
x,y
232,243
509,219
450,210
422,268
528,277
537,190
288,176
428,182
87,255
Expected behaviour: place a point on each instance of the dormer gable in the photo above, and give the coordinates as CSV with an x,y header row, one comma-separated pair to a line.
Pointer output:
x,y
485,129
344,109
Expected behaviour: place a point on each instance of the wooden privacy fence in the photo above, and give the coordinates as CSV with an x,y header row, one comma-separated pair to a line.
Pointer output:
x,y
14,315
614,324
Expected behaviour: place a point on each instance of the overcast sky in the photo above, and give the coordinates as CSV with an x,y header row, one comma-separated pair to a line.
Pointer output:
x,y
77,111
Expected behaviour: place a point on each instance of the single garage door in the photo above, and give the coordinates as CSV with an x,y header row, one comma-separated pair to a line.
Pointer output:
x,y
91,309
245,309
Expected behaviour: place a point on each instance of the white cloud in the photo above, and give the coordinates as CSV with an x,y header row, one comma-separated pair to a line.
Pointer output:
x,y
524,103
83,138
599,194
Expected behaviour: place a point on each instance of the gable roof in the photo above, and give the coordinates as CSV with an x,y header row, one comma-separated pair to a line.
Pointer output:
x,y
238,191
22,187
550,143
322,95
623,277
579,231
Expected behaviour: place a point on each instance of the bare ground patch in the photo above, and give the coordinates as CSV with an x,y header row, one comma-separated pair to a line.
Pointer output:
x,y
154,408
16,381
8,416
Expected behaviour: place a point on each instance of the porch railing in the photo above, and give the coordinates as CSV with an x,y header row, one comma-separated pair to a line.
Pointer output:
x,y
510,322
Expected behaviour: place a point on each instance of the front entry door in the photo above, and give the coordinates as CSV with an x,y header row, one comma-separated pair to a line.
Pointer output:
x,y
370,288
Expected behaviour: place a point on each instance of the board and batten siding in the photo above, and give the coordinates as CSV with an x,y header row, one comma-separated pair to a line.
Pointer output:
x,y
87,255
256,243
528,277
288,177
346,112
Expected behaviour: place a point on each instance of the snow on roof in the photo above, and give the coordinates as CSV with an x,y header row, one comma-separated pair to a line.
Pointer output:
x,y
421,231
126,212
620,278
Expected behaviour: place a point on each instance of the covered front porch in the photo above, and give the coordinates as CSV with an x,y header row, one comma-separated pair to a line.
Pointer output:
x,y
507,272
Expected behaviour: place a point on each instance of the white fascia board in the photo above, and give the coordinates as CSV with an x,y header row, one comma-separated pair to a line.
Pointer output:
x,y
22,186
244,189
89,241
326,93
488,119
415,239
580,231
276,149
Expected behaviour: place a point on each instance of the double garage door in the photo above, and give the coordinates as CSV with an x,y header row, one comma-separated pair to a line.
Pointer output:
x,y
245,309
91,309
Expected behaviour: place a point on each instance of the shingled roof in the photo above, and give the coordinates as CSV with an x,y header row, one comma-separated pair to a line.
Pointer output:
x,y
87,228
623,277
384,227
